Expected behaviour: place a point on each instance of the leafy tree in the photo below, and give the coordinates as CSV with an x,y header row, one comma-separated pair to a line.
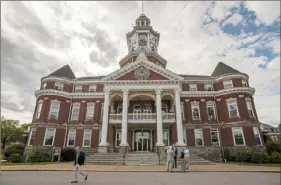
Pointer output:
x,y
11,131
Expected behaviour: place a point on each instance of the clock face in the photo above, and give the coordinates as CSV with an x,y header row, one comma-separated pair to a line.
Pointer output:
x,y
142,42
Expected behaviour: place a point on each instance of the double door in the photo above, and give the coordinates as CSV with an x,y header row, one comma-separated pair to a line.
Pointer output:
x,y
142,141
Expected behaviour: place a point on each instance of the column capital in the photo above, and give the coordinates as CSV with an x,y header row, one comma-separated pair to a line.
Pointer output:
x,y
125,91
158,91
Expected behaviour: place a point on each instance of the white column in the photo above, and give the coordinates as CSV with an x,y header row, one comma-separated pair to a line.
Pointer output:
x,y
179,119
124,141
105,120
159,119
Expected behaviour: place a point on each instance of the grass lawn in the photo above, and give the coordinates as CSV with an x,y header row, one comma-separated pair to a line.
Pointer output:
x,y
17,164
255,164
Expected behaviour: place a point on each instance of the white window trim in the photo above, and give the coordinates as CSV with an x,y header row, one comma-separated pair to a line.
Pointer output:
x,y
60,85
30,134
55,103
209,85
241,129
71,131
46,135
78,87
199,114
193,86
73,105
249,103
201,130
118,131
214,107
87,131
44,85
217,130
38,113
258,132
93,113
228,101
227,82
93,87
184,135
244,82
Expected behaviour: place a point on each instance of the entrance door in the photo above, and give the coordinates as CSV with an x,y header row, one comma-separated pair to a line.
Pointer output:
x,y
142,141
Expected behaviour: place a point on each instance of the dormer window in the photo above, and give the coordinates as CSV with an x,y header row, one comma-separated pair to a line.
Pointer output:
x,y
59,86
44,85
92,88
208,87
78,88
192,87
244,83
227,84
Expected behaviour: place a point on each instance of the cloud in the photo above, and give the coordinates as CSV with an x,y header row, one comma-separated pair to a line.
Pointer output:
x,y
39,37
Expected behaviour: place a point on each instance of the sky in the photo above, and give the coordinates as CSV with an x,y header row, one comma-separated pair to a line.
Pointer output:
x,y
37,38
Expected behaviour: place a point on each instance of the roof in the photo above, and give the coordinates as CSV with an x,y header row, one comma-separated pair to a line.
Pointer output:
x,y
91,78
223,69
64,71
195,77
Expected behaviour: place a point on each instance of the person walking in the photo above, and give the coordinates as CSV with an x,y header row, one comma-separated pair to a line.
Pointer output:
x,y
182,162
78,165
176,155
170,159
187,158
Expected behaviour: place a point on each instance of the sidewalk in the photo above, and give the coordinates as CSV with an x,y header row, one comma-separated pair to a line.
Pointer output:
x,y
161,168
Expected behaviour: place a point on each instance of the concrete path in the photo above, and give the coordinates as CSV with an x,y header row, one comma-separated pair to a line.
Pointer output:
x,y
161,168
142,178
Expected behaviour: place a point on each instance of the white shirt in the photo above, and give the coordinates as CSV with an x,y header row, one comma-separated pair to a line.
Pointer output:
x,y
186,153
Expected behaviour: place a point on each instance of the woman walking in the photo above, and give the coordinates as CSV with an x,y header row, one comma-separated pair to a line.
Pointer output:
x,y
175,156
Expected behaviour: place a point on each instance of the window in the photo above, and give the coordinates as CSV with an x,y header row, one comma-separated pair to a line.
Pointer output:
x,y
257,135
244,83
198,137
92,88
227,84
87,138
250,108
59,86
215,137
44,85
54,110
184,135
165,108
182,111
75,111
90,111
208,87
211,111
166,137
38,110
100,133
119,109
71,138
192,87
232,109
78,88
49,136
31,136
238,136
118,138
195,111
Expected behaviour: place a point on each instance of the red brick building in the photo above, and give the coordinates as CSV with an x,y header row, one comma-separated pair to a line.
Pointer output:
x,y
143,105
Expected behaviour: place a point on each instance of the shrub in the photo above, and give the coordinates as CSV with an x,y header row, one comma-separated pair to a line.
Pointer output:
x,y
68,154
275,157
17,148
39,155
274,146
259,157
16,158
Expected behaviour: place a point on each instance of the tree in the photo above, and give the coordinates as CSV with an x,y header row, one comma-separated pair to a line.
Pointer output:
x,y
11,131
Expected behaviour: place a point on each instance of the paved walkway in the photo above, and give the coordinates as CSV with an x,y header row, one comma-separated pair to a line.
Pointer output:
x,y
160,168
141,178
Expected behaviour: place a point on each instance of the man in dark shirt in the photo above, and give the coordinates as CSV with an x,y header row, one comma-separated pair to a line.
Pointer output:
x,y
78,164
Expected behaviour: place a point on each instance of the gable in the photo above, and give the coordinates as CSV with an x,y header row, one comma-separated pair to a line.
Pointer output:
x,y
155,72
142,73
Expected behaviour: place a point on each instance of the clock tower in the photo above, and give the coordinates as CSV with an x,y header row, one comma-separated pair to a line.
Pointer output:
x,y
142,38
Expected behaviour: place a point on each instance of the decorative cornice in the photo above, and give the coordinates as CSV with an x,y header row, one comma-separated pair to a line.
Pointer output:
x,y
54,92
230,77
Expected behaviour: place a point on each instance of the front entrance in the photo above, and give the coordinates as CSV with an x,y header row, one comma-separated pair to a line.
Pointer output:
x,y
142,141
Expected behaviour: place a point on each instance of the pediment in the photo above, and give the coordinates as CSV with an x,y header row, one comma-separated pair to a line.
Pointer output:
x,y
142,69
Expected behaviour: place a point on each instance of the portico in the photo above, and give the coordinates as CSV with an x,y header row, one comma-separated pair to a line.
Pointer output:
x,y
142,111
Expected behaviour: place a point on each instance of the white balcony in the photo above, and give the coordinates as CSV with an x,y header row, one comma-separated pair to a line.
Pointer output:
x,y
142,118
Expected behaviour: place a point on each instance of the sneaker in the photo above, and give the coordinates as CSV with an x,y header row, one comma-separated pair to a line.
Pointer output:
x,y
74,182
86,177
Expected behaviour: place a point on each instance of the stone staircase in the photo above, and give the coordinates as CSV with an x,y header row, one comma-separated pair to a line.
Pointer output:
x,y
137,159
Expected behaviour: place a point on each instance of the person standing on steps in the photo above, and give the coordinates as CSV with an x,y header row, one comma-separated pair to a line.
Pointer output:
x,y
78,165
187,158
170,159
176,155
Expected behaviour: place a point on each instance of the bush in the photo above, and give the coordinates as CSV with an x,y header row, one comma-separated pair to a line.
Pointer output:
x,y
274,146
275,157
17,148
39,155
259,157
68,154
16,158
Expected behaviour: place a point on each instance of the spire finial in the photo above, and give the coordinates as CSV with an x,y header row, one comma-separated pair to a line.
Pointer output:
x,y
142,7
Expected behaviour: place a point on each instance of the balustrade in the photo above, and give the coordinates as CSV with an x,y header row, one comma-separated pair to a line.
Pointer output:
x,y
143,117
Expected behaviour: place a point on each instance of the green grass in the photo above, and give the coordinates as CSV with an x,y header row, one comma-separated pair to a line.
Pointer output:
x,y
27,163
255,164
